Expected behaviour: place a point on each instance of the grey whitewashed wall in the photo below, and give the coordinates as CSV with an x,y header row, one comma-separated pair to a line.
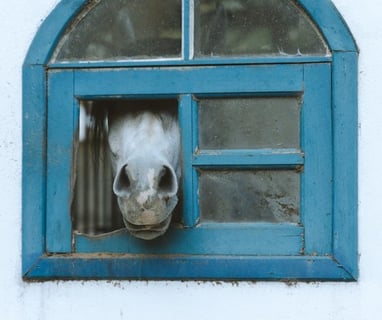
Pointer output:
x,y
19,21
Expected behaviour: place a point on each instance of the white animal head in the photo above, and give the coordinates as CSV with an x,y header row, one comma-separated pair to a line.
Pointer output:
x,y
145,149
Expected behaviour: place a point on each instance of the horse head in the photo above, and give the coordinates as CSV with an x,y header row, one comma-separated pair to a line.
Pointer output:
x,y
145,149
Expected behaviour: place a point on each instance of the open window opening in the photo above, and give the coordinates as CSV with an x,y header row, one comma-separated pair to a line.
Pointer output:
x,y
100,152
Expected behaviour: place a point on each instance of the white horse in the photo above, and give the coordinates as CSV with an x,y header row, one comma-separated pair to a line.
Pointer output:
x,y
145,152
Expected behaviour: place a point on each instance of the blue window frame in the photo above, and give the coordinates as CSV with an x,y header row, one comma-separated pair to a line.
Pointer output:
x,y
322,246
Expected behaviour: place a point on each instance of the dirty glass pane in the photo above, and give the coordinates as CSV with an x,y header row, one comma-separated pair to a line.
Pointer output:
x,y
254,27
123,29
249,196
247,123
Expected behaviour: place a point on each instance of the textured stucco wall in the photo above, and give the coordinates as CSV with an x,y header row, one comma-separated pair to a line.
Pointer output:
x,y
19,21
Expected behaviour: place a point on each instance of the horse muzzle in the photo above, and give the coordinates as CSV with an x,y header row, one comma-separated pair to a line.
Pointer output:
x,y
149,231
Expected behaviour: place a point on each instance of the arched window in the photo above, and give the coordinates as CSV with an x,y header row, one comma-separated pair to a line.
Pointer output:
x,y
265,93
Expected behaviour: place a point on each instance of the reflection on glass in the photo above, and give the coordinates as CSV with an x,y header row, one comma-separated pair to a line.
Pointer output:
x,y
254,27
122,29
249,196
246,123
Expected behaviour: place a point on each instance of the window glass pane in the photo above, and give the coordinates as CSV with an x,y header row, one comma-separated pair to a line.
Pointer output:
x,y
249,196
245,123
123,29
254,27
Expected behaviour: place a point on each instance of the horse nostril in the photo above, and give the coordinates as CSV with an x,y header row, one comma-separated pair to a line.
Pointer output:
x,y
122,182
167,181
124,179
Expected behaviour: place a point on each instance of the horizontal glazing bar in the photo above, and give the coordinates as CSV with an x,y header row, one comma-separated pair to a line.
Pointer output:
x,y
200,80
260,157
195,62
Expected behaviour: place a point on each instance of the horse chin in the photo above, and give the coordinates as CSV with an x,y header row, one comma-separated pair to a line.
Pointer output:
x,y
148,232
147,224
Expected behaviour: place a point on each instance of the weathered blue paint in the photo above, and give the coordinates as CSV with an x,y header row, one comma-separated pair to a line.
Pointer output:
x,y
187,267
185,123
186,38
325,248
33,172
345,126
194,62
61,130
317,145
51,31
323,13
198,80
250,158
195,214
205,239
331,24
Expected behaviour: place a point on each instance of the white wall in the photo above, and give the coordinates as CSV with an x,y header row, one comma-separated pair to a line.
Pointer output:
x,y
19,20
